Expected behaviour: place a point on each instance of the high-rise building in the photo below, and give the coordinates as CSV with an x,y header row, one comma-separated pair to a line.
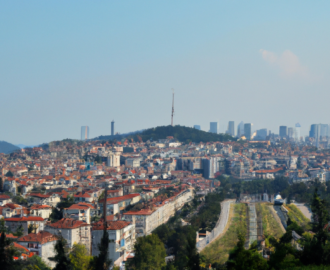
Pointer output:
x,y
214,127
324,130
248,131
240,129
112,128
283,131
197,127
231,128
84,133
315,132
290,132
297,132
262,134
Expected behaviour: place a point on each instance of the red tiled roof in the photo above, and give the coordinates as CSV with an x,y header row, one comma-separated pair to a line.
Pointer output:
x,y
83,195
141,212
20,247
38,206
67,223
111,225
29,218
4,197
121,198
81,206
39,195
41,237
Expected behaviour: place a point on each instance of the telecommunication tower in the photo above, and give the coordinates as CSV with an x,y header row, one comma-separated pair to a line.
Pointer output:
x,y
172,108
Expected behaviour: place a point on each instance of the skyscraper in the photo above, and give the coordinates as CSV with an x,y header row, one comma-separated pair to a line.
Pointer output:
x,y
197,127
324,130
231,128
214,127
262,134
315,132
112,127
240,129
84,133
290,132
297,132
283,131
247,131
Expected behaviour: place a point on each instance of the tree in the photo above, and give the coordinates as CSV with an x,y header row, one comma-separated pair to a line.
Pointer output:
x,y
35,262
7,253
61,258
55,215
102,261
149,254
79,257
1,185
19,231
9,174
241,259
3,228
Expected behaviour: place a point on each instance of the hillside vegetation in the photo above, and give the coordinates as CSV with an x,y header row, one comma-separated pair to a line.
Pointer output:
x,y
181,133
7,148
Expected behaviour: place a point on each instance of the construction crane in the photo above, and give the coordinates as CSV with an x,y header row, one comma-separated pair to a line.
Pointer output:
x,y
172,108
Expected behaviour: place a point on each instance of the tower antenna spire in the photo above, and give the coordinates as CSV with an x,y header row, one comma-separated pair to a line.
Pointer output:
x,y
172,108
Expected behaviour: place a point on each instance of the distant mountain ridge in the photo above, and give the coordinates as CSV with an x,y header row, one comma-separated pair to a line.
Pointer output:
x,y
22,146
7,148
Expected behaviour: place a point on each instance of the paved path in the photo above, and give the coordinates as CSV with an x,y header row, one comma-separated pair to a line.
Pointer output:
x,y
305,210
219,227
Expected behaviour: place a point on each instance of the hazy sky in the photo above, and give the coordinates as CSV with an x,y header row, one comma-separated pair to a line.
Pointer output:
x,y
64,64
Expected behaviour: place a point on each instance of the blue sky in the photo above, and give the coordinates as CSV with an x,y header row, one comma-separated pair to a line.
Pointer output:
x,y
64,64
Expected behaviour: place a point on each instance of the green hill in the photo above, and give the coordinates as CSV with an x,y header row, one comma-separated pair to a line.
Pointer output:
x,y
182,134
7,148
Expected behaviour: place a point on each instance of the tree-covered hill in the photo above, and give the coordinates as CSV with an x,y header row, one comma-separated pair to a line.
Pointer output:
x,y
182,134
7,148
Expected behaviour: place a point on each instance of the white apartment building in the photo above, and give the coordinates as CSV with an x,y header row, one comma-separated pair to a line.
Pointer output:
x,y
146,220
73,231
122,234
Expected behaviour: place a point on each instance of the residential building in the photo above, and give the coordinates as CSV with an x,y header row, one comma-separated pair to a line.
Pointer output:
x,y
73,231
117,204
81,211
45,199
122,238
146,220
35,223
43,211
41,244
4,199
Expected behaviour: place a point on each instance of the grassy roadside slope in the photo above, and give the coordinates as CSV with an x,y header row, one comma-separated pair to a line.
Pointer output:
x,y
218,250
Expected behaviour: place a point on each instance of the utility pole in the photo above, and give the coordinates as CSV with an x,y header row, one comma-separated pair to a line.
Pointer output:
x,y
172,108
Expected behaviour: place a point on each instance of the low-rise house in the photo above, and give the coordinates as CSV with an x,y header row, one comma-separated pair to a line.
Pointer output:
x,y
41,244
14,210
4,199
45,199
83,197
81,211
35,224
117,204
43,211
73,231
122,234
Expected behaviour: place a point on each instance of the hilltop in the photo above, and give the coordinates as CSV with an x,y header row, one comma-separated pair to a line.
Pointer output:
x,y
7,148
181,133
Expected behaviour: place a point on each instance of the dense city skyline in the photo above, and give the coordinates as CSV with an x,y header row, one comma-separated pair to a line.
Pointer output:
x,y
261,63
